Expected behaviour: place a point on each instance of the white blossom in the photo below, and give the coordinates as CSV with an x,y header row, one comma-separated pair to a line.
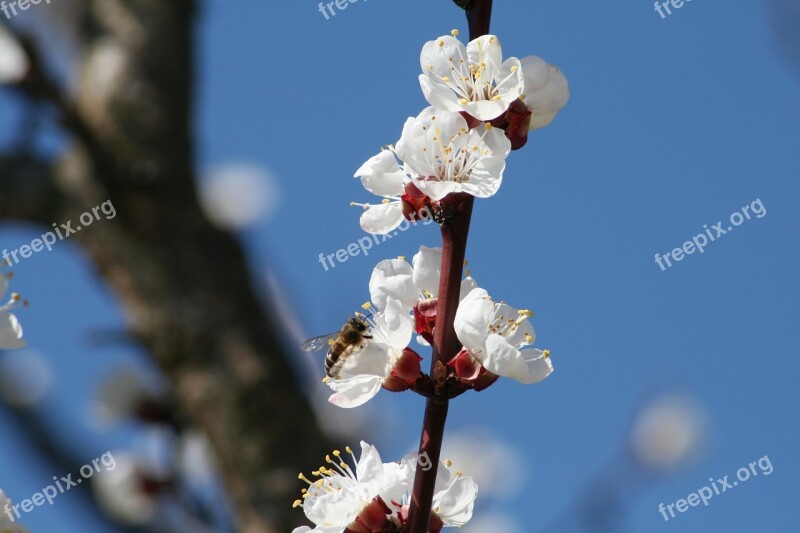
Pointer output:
x,y
454,494
668,432
13,61
473,79
341,493
497,336
440,155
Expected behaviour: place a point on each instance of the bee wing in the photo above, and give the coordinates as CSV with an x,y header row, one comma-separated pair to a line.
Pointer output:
x,y
317,344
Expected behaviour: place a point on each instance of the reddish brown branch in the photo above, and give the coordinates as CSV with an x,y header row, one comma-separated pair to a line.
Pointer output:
x,y
445,343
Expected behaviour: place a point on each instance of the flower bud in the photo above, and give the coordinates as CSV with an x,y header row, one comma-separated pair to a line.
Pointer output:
x,y
425,318
407,366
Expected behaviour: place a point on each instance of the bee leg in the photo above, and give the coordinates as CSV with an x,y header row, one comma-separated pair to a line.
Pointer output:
x,y
367,336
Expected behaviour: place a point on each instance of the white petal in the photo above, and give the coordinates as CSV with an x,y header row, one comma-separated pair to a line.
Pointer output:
x,y
510,80
495,140
456,503
427,269
354,391
382,175
382,218
395,325
472,320
439,56
369,470
437,189
10,332
539,366
502,358
373,359
485,179
393,278
486,109
335,509
447,123
486,50
438,94
468,284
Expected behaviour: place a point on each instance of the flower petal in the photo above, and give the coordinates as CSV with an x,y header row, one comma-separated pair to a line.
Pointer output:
x,y
438,94
354,391
382,175
472,320
502,358
454,505
427,269
539,366
393,278
369,470
396,325
382,218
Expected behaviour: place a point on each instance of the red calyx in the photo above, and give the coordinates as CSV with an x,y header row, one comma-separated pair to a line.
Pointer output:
x,y
470,371
372,519
515,122
416,204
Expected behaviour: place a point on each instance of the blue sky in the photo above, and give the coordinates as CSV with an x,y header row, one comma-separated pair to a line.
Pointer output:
x,y
672,124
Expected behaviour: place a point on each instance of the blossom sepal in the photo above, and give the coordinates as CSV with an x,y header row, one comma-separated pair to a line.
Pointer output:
x,y
470,372
405,372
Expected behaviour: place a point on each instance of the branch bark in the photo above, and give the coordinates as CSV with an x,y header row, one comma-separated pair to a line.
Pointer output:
x,y
183,283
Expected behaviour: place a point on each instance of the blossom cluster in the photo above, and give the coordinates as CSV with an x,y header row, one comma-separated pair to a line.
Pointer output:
x,y
481,108
372,496
496,338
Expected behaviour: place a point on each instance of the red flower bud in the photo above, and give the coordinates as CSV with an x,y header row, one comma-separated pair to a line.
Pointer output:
x,y
425,318
407,366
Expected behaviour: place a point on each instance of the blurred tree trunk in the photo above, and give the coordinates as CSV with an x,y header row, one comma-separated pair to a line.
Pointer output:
x,y
184,285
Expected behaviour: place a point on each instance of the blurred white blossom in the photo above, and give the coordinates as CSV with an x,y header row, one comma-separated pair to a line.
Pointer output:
x,y
238,195
491,522
668,432
122,493
495,465
13,61
25,378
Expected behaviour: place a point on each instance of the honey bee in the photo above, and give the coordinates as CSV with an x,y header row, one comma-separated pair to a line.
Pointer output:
x,y
341,344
